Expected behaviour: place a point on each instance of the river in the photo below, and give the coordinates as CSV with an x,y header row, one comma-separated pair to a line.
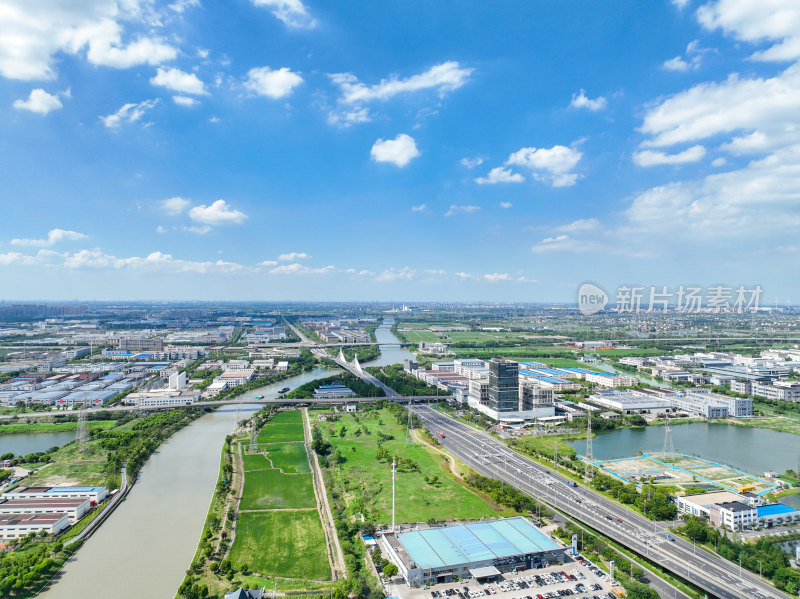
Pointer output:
x,y
391,351
753,450
145,547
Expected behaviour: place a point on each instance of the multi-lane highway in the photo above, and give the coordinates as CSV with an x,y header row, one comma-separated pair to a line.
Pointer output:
x,y
491,457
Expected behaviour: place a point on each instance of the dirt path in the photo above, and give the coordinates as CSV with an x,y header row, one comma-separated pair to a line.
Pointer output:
x,y
335,554
419,437
238,484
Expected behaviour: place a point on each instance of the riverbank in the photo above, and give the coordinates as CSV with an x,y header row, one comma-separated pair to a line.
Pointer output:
x,y
51,427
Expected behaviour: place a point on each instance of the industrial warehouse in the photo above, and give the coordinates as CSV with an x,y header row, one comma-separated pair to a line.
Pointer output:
x,y
478,550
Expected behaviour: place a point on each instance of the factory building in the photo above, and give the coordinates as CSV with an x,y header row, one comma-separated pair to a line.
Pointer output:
x,y
480,550
75,508
16,526
94,494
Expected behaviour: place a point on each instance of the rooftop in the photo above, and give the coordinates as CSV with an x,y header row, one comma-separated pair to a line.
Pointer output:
x,y
465,543
774,509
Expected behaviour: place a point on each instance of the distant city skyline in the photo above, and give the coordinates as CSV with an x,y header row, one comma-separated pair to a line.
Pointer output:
x,y
460,151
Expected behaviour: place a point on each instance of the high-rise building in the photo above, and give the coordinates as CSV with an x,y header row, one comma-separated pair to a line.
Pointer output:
x,y
503,385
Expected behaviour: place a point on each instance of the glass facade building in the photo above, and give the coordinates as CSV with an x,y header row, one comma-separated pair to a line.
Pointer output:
x,y
503,385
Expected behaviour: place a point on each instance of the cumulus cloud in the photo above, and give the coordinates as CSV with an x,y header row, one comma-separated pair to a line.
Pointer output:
x,y
218,213
500,175
582,224
54,236
653,158
550,165
184,101
579,100
294,257
129,113
471,162
174,206
397,274
33,33
292,12
179,81
39,101
161,229
355,95
301,269
445,77
272,84
419,208
506,205
157,261
692,61
399,151
777,21
455,209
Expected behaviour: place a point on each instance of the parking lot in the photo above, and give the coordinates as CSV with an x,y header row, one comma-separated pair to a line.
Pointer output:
x,y
579,579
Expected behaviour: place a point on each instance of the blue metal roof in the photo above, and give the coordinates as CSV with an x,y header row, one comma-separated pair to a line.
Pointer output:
x,y
466,543
774,509
73,489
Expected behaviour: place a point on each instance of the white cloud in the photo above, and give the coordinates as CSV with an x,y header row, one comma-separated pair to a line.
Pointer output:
x,y
455,209
181,5
174,206
33,33
506,205
161,229
756,21
128,113
294,257
500,175
583,224
96,259
579,100
39,101
494,277
764,110
652,158
268,263
550,165
273,84
563,243
218,213
694,54
719,161
54,236
292,12
471,162
184,101
760,199
179,81
681,4
301,269
397,274
419,208
201,230
444,77
399,151
348,117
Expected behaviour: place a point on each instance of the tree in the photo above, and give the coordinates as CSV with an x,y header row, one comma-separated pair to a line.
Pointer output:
x,y
389,570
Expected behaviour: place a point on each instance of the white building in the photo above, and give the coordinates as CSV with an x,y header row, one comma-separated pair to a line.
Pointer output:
x,y
94,494
16,526
177,380
75,508
632,402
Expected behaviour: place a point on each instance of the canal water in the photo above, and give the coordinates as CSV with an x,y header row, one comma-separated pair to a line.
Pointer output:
x,y
753,450
145,547
391,351
25,443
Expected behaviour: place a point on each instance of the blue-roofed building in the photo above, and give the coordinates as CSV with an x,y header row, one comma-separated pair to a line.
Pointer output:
x,y
336,390
776,513
479,550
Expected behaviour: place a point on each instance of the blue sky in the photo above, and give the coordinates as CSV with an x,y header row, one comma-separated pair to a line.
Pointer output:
x,y
503,151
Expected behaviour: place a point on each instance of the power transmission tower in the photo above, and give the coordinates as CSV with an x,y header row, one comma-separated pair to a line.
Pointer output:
x,y
409,425
82,434
589,456
669,448
253,437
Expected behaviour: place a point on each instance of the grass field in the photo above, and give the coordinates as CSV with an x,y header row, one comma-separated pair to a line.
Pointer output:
x,y
289,457
269,489
51,427
289,544
370,481
287,417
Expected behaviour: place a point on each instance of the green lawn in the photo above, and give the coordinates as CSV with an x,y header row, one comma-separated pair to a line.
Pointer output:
x,y
289,457
290,544
281,433
420,501
269,489
256,461
287,416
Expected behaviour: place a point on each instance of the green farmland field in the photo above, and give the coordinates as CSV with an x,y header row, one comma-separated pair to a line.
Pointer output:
x,y
281,433
287,544
289,457
269,489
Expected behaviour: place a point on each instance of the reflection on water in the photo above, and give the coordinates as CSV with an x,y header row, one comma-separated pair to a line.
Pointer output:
x,y
391,352
25,443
